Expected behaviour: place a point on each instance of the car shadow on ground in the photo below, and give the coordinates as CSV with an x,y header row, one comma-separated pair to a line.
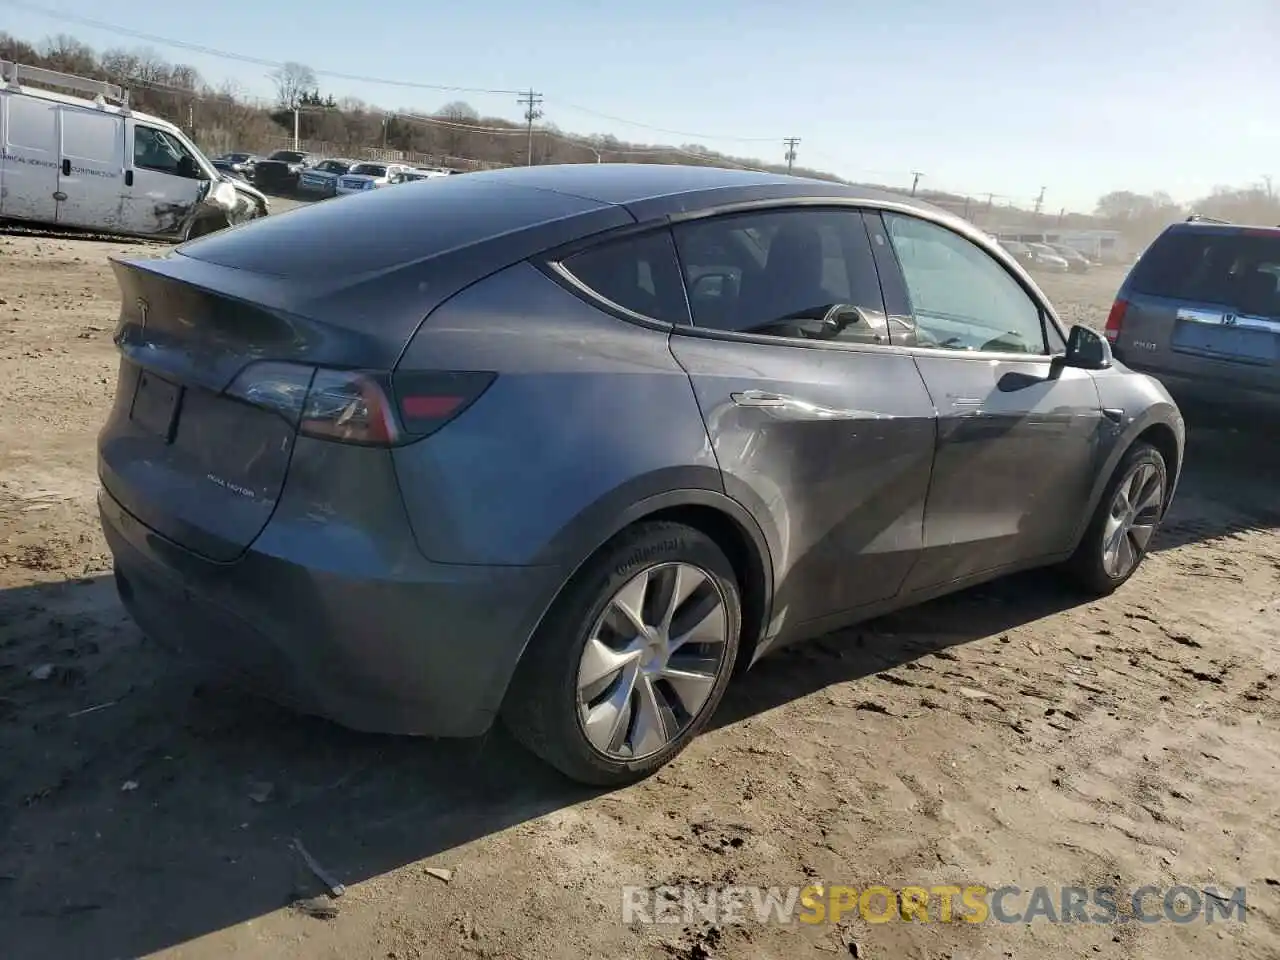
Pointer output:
x,y
144,804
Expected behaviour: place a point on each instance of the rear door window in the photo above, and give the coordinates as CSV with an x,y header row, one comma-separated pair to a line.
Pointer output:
x,y
1230,269
639,274
800,274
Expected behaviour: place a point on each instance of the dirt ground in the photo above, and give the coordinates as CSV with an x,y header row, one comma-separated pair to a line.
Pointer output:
x,y
1008,735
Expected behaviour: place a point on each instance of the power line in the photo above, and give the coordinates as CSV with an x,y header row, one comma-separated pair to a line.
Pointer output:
x,y
66,17
791,143
562,105
238,57
206,50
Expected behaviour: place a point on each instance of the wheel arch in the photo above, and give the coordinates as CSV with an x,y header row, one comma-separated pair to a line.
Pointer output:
x,y
1154,428
714,514
1162,436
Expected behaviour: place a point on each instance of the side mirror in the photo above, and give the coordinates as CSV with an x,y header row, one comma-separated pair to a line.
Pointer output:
x,y
1087,349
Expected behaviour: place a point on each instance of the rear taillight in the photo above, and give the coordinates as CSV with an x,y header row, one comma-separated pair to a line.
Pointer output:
x,y
429,400
354,406
1115,320
349,406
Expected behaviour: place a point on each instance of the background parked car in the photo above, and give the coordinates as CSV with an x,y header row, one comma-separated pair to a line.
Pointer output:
x,y
1077,262
280,171
239,164
321,180
370,176
408,176
1019,251
1047,259
1201,310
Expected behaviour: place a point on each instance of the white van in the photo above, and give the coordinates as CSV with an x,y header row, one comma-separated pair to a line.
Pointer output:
x,y
97,165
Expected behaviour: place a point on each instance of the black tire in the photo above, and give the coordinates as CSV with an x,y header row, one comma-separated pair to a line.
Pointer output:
x,y
1085,565
541,708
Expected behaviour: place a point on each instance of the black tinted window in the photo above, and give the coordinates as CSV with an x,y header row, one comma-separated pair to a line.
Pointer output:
x,y
1209,266
638,273
806,274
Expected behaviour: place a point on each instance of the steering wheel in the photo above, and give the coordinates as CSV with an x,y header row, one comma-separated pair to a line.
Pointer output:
x,y
1011,342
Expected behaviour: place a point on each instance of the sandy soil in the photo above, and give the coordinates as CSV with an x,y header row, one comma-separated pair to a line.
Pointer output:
x,y
1007,735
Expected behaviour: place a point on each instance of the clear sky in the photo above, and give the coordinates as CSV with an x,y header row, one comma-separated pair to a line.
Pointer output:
x,y
1003,96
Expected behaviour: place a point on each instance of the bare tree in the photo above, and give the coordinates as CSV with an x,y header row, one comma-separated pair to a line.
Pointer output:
x,y
458,112
293,81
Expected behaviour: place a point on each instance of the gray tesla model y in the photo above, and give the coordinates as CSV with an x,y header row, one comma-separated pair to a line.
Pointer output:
x,y
571,445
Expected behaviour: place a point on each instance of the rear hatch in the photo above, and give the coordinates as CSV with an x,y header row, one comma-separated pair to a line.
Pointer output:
x,y
1205,293
222,340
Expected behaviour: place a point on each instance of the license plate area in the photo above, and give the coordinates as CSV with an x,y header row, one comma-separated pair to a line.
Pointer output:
x,y
155,405
1228,336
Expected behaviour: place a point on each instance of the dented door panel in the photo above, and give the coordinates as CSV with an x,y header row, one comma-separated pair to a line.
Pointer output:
x,y
162,204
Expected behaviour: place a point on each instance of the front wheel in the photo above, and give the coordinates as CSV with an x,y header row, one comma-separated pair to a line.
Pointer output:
x,y
1125,520
633,659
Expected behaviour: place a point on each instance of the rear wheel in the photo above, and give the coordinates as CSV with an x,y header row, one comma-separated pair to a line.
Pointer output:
x,y
632,660
1126,518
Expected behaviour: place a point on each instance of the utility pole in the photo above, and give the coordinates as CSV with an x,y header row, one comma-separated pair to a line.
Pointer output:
x,y
1266,179
791,144
915,180
1040,201
295,127
386,122
530,102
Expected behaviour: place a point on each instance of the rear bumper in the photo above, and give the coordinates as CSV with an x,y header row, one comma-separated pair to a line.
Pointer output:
x,y
425,651
1206,377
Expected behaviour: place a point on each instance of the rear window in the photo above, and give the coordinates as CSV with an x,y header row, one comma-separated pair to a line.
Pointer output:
x,y
369,170
1232,269
288,156
312,243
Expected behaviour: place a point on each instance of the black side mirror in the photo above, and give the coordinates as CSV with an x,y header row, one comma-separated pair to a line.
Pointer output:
x,y
1087,350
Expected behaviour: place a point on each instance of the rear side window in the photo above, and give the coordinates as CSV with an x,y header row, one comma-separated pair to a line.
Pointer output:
x,y
1230,269
639,274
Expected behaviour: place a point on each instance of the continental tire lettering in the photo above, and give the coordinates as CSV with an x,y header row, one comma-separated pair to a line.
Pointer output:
x,y
648,553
